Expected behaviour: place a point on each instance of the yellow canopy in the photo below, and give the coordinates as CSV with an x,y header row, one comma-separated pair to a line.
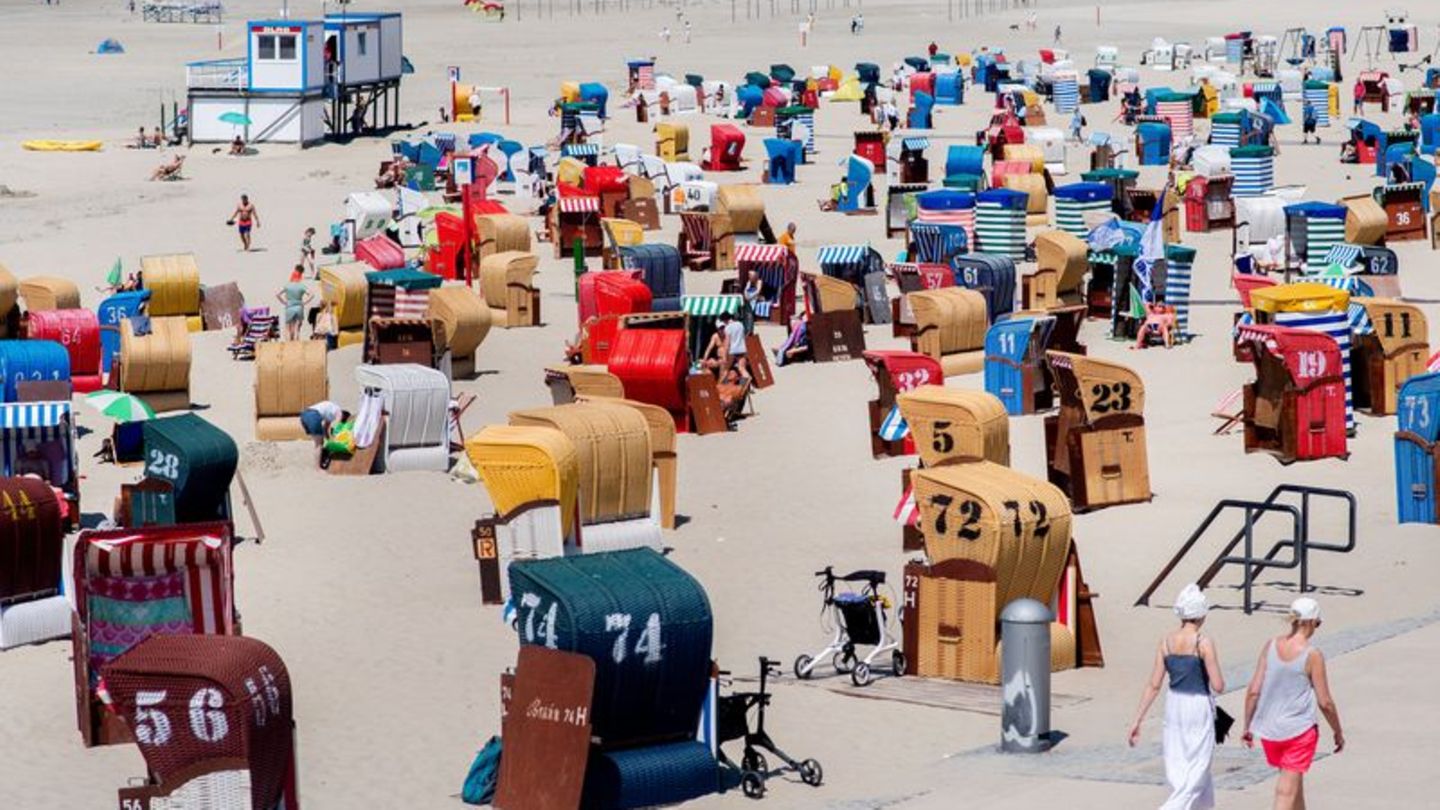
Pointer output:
x,y
1305,296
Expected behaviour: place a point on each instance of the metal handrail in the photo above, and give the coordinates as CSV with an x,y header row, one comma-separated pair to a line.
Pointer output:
x,y
1299,541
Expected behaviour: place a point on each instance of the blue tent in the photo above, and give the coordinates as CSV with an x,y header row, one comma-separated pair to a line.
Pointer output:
x,y
110,46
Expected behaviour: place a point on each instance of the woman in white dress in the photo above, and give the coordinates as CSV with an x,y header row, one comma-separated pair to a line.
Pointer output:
x,y
1188,660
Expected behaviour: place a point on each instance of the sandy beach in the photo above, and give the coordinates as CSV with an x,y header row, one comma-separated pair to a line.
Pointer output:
x,y
367,586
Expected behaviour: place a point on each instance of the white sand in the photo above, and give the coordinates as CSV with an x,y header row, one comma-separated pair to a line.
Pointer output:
x,y
367,587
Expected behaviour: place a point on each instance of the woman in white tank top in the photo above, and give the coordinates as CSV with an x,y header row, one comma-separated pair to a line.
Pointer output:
x,y
1289,686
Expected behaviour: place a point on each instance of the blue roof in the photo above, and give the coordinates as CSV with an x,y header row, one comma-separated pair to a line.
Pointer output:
x,y
1086,192
405,278
1321,210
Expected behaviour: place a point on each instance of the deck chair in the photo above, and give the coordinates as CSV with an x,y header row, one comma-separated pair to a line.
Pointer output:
x,y
260,329
627,157
457,411
1230,410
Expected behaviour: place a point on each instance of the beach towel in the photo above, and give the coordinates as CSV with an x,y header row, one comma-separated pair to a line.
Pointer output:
x,y
367,419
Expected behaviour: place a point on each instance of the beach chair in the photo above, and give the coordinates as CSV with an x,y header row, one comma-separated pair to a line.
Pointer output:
x,y
701,247
260,329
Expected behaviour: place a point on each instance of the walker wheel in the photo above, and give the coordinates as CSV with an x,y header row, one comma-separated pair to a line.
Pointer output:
x,y
897,663
752,784
804,667
755,761
861,674
811,773
843,661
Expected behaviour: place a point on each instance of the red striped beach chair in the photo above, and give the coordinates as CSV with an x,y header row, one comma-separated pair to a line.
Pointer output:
x,y
133,583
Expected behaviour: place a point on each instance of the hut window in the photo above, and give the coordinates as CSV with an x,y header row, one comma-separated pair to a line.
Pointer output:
x,y
360,41
270,47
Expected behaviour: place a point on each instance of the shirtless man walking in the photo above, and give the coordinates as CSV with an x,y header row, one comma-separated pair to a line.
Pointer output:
x,y
244,219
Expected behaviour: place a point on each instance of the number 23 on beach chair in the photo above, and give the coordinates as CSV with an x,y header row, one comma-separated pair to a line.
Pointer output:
x,y
1095,446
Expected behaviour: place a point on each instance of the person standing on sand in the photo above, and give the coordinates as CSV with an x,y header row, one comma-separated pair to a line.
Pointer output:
x,y
787,239
1290,684
1057,35
665,34
294,296
687,31
244,218
1190,662
1359,97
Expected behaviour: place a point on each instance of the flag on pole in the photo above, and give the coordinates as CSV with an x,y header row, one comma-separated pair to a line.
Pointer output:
x,y
906,512
117,273
894,427
1137,304
1152,246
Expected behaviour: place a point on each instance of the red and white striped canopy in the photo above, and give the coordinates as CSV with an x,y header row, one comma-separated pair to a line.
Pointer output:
x,y
760,254
579,205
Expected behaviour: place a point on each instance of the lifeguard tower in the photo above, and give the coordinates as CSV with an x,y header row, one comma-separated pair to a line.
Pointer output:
x,y
301,81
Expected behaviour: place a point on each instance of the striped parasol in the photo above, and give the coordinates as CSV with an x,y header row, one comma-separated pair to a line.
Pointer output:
x,y
120,406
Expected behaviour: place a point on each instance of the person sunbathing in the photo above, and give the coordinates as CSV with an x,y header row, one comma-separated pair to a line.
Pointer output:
x,y
237,146
732,389
170,170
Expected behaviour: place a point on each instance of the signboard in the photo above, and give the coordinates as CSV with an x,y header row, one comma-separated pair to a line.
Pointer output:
x,y
546,731
464,169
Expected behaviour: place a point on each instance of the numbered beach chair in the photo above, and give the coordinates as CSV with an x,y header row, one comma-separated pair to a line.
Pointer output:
x,y
1095,445
33,607
1295,408
213,718
896,372
1391,345
1416,456
1015,370
992,535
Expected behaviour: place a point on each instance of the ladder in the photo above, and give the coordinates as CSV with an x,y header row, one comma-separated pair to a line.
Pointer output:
x,y
1298,541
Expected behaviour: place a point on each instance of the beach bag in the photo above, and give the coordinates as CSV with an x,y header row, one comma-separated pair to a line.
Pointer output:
x,y
342,439
1223,722
484,774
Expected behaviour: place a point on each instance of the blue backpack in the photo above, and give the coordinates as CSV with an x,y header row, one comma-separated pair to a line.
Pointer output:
x,y
484,775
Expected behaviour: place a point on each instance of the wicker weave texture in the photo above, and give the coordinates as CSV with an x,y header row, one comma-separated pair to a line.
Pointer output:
x,y
520,465
952,423
612,445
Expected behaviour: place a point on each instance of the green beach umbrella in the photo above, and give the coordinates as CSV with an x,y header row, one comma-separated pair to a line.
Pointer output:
x,y
120,406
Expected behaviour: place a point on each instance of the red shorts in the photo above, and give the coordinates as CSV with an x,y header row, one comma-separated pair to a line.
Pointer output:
x,y
1294,754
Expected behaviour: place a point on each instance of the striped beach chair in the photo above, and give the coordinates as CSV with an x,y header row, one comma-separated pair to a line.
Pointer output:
x,y
1000,222
1179,261
1254,169
1318,96
1066,93
1074,201
1225,129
